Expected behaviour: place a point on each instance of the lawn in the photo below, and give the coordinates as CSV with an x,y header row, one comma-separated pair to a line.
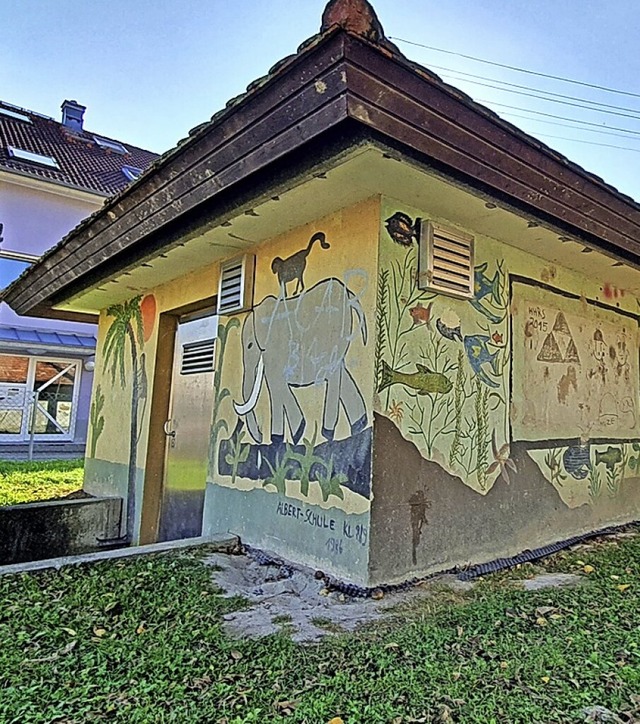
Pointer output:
x,y
23,482
141,641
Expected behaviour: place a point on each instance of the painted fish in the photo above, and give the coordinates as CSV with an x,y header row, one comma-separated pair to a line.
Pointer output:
x,y
478,354
483,287
401,228
423,381
420,314
451,333
577,461
610,457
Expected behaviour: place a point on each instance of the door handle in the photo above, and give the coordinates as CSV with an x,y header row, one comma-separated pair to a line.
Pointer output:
x,y
169,432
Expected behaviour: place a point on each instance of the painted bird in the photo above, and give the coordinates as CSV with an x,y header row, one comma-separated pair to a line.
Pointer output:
x,y
478,354
424,381
401,228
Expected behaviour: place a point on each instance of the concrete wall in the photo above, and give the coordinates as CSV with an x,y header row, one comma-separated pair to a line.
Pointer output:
x,y
293,477
526,431
36,531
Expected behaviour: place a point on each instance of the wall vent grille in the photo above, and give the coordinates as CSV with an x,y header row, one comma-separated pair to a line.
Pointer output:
x,y
446,260
198,357
236,284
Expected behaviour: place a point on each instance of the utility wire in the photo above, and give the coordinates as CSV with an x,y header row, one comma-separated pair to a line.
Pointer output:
x,y
571,125
537,90
589,143
519,70
552,115
549,100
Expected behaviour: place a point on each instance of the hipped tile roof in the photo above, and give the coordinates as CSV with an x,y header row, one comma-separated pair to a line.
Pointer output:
x,y
82,163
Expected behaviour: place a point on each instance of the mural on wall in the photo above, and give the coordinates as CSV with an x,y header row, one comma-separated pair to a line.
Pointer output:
x,y
124,361
442,363
582,361
96,420
302,339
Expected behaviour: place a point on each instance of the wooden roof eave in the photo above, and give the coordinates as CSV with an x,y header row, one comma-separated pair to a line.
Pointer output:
x,y
338,78
300,102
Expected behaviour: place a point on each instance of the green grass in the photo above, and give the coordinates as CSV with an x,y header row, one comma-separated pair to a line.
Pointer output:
x,y
141,641
29,482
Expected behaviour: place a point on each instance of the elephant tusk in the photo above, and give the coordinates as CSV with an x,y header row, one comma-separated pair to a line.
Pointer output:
x,y
248,406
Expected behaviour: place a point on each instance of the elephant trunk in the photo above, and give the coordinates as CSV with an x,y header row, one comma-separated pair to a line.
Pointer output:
x,y
250,402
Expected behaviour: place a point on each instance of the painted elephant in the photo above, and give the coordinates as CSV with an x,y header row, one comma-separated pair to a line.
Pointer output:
x,y
297,342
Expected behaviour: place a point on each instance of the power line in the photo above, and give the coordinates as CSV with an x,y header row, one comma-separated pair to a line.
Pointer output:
x,y
548,100
571,125
520,70
589,143
539,90
552,115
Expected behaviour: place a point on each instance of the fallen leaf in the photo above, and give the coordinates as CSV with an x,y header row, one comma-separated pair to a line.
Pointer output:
x,y
336,720
541,621
456,675
544,610
615,578
504,665
588,569
623,586
460,631
70,631
392,645
545,679
99,632
236,655
141,628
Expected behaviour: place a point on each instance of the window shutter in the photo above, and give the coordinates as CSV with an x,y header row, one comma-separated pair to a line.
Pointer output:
x,y
445,260
236,284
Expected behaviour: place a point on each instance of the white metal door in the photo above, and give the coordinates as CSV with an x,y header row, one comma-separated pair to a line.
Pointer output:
x,y
188,428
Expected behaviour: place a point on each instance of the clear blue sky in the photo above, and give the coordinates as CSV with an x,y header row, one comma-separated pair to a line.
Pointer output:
x,y
150,71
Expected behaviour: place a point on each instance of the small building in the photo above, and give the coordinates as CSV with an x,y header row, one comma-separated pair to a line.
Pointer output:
x,y
362,322
52,175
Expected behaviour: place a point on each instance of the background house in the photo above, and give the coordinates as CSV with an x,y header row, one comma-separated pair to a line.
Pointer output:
x,y
360,321
52,175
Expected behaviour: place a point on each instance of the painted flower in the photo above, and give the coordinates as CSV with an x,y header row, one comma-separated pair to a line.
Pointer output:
x,y
501,461
396,411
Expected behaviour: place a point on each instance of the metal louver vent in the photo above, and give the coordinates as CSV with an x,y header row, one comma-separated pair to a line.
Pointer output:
x,y
198,357
446,260
236,279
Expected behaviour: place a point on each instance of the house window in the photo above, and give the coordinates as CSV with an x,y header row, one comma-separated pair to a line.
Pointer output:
x,y
31,157
110,145
131,172
10,270
52,383
445,261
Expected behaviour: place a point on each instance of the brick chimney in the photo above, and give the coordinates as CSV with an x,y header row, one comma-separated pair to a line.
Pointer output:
x,y
72,115
357,17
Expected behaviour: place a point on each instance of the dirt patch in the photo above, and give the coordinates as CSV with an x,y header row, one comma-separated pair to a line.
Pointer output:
x,y
283,597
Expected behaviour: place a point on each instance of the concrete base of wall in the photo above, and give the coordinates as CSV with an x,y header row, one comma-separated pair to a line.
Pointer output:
x,y
34,531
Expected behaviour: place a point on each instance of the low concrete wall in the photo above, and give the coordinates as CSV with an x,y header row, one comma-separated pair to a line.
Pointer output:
x,y
35,531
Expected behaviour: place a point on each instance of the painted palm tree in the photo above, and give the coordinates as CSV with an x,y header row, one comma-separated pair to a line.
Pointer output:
x,y
127,335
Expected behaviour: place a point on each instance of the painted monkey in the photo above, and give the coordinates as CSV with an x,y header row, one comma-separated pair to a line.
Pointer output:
x,y
292,268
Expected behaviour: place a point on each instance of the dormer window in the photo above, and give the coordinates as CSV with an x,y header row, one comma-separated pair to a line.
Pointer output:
x,y
131,172
21,155
109,145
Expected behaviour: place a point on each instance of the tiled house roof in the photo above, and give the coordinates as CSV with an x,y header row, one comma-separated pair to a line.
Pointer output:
x,y
81,161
